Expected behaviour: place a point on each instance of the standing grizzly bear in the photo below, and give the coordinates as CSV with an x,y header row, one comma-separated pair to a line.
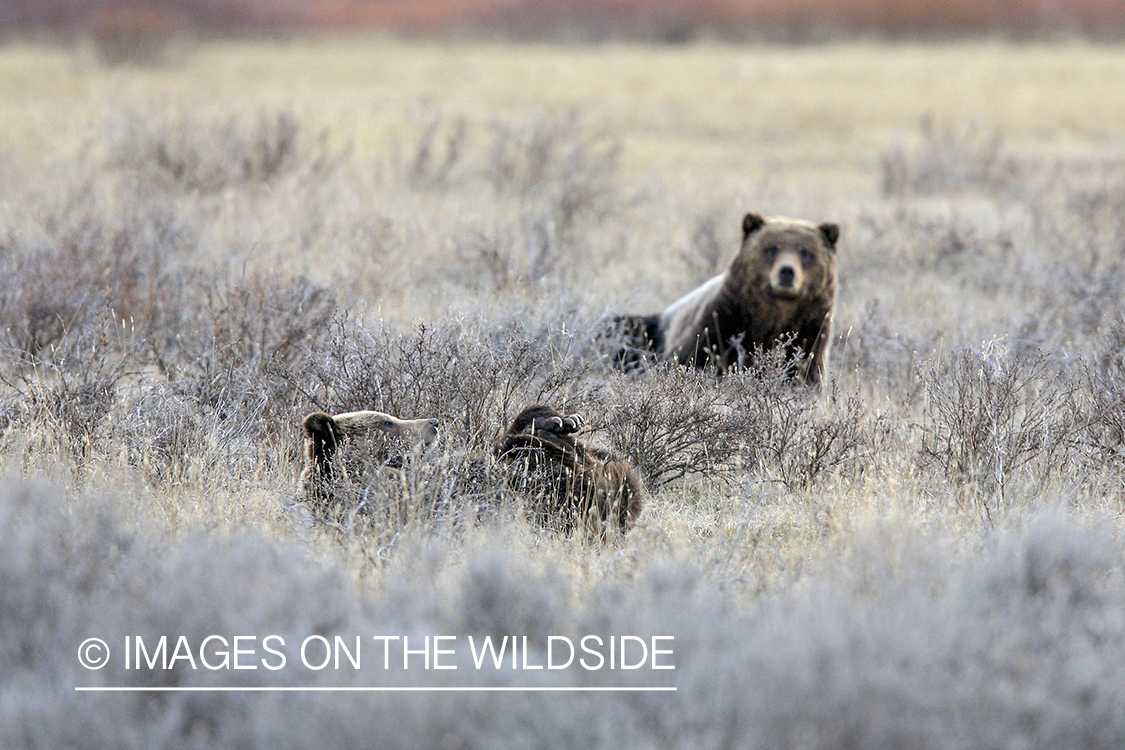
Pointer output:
x,y
779,289
380,438
570,483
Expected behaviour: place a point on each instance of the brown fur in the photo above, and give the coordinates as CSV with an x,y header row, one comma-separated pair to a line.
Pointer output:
x,y
384,439
780,288
571,483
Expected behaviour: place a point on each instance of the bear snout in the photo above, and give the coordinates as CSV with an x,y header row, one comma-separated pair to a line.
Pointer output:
x,y
786,280
785,276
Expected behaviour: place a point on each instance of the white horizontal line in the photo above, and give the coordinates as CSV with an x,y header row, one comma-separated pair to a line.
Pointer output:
x,y
290,689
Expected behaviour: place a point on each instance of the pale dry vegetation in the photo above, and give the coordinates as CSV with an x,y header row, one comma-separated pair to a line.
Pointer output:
x,y
926,554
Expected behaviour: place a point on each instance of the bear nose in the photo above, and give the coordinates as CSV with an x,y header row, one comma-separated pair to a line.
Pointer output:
x,y
786,275
434,423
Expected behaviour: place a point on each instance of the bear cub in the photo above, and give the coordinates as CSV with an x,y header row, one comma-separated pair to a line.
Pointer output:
x,y
570,484
377,438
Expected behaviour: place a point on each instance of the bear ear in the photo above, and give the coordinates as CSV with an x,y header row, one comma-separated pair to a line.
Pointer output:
x,y
830,233
751,223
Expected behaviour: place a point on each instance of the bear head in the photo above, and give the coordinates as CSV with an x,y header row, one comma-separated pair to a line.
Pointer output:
x,y
384,437
785,259
371,437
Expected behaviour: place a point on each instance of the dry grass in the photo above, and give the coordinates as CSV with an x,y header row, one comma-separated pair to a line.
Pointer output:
x,y
194,255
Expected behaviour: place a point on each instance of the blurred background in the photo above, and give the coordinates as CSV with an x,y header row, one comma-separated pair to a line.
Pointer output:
x,y
129,22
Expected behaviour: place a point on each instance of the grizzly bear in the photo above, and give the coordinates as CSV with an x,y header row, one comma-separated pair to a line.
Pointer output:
x,y
380,438
570,483
778,290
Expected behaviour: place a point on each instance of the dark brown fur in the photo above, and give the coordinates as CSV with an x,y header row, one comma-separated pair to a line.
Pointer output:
x,y
571,484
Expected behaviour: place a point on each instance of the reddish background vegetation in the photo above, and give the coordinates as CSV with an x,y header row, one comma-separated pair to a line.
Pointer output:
x,y
667,20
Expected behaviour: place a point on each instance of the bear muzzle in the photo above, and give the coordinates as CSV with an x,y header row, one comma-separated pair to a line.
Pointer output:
x,y
428,430
786,280
417,434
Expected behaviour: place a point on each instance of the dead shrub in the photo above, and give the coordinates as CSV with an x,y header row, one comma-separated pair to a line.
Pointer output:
x,y
260,320
554,155
796,435
880,354
235,346
162,432
469,377
561,176
909,242
674,423
444,491
1103,391
89,270
437,153
138,34
948,160
177,381
711,245
200,157
995,415
68,400
1088,289
537,254
553,159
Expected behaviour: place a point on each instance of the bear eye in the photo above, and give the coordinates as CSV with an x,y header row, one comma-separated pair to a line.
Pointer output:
x,y
806,256
770,251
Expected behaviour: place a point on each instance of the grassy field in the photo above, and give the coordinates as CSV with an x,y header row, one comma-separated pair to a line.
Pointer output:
x,y
926,554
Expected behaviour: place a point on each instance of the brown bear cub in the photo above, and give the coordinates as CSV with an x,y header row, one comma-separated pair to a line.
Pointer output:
x,y
779,290
380,439
571,484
